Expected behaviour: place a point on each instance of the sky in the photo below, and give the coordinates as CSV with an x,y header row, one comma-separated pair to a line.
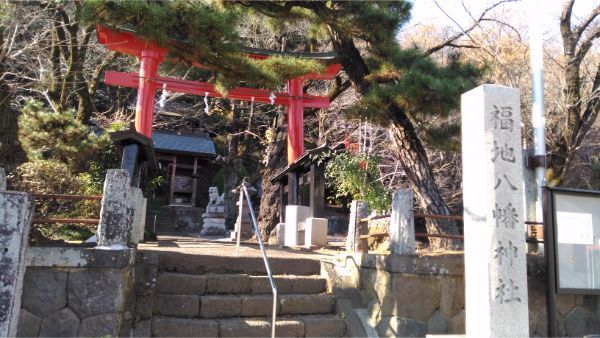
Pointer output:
x,y
425,12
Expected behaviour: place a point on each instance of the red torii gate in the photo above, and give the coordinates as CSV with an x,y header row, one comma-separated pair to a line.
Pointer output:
x,y
147,82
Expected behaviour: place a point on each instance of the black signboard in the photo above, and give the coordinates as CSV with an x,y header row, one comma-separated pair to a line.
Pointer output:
x,y
572,245
575,225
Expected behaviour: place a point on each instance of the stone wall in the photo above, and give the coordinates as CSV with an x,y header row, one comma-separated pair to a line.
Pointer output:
x,y
417,295
77,292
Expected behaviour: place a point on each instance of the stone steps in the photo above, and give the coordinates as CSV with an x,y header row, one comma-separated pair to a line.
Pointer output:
x,y
206,263
296,326
221,296
227,306
187,284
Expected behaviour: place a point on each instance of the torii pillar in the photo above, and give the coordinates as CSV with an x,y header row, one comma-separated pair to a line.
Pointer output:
x,y
150,59
295,134
147,82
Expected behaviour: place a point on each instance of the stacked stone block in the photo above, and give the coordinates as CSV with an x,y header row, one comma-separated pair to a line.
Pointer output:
x,y
412,296
72,302
232,298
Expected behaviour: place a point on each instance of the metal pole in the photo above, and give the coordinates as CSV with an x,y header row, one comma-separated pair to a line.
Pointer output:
x,y
549,241
265,258
537,114
238,225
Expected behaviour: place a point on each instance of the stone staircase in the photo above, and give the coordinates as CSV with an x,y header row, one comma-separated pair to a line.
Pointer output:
x,y
216,296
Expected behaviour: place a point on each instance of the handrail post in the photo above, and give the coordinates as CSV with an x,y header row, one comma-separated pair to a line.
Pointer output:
x,y
244,191
238,225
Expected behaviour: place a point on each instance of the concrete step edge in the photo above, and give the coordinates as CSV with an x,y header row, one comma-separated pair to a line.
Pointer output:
x,y
185,283
242,306
309,326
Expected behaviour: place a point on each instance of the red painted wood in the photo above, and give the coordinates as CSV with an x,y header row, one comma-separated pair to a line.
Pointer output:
x,y
295,132
151,55
329,73
144,108
128,43
200,88
124,42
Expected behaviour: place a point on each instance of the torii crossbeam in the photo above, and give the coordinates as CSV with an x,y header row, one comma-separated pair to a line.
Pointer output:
x,y
147,81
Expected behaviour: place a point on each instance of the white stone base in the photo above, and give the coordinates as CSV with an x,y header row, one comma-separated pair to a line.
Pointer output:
x,y
315,231
295,216
280,234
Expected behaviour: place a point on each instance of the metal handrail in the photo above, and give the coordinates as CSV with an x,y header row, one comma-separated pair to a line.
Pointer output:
x,y
244,190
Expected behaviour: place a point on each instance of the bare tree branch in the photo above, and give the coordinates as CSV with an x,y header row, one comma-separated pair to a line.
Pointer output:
x,y
583,26
464,32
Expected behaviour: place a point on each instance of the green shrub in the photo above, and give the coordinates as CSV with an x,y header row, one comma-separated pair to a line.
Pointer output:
x,y
356,176
45,177
54,177
59,136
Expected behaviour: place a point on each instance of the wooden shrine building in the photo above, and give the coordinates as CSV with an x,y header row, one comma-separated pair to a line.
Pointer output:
x,y
185,160
308,175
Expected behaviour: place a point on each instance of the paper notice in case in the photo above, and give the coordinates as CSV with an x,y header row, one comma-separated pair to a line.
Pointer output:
x,y
575,228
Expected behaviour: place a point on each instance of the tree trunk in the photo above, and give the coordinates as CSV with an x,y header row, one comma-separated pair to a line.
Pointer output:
x,y
268,215
413,158
11,153
408,146
231,169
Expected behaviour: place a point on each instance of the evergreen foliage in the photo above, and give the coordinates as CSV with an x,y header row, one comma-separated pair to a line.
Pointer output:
x,y
399,83
60,136
198,31
356,176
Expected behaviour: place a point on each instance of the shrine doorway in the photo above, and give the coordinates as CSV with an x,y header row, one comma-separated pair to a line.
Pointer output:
x,y
185,163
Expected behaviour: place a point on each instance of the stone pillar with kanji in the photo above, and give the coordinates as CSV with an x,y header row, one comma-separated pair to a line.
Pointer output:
x,y
495,263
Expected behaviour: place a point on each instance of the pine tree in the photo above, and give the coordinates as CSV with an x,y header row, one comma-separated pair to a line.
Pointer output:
x,y
401,88
198,31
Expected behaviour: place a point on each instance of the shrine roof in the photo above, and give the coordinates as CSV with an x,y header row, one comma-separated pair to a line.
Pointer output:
x,y
183,143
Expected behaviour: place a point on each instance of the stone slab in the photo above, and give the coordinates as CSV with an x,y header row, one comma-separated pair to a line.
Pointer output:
x,y
401,327
309,284
142,329
220,306
410,296
44,291
211,263
438,324
138,225
2,179
402,224
177,305
63,323
257,305
96,291
358,210
324,326
348,311
261,284
452,298
103,325
70,257
228,283
181,327
116,214
449,264
16,209
495,263
306,304
182,284
29,324
260,328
